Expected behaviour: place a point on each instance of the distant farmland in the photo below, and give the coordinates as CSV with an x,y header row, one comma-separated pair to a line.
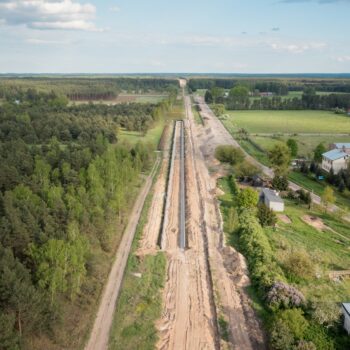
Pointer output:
x,y
322,122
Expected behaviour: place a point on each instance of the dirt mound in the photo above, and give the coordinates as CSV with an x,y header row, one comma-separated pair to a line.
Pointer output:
x,y
284,218
315,222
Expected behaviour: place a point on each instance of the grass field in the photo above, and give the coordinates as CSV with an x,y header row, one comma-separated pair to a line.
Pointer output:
x,y
152,136
326,249
271,122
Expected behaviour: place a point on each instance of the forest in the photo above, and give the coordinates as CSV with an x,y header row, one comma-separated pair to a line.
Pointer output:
x,y
277,85
84,88
66,183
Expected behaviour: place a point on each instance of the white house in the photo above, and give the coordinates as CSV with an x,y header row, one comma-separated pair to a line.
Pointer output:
x,y
272,200
337,158
346,313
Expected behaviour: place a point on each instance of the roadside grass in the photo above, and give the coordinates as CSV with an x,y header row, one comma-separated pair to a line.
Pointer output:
x,y
200,92
304,121
197,116
139,303
318,187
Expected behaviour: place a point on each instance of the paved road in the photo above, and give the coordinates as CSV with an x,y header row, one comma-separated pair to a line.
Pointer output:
x,y
208,113
99,336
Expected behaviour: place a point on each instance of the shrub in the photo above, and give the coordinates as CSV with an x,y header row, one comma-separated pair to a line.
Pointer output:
x,y
246,168
295,320
280,183
229,154
282,295
326,314
266,216
304,345
304,196
298,263
281,337
247,198
256,247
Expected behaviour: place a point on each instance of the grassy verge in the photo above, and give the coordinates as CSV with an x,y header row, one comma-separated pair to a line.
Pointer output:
x,y
139,303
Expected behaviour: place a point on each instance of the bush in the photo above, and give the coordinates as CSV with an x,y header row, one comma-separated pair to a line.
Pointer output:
x,y
326,314
298,263
246,168
266,216
229,154
247,198
304,196
256,247
295,320
281,337
304,345
280,183
282,295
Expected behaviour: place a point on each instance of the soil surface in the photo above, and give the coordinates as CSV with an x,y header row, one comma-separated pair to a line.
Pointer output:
x,y
207,279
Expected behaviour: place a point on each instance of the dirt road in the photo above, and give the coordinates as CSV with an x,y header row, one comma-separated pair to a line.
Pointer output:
x,y
100,333
188,319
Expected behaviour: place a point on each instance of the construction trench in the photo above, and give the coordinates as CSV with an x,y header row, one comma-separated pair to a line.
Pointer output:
x,y
205,279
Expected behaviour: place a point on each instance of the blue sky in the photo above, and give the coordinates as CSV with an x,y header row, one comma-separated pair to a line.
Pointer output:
x,y
224,36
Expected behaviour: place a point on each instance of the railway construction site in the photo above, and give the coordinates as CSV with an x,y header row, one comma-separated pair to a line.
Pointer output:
x,y
205,278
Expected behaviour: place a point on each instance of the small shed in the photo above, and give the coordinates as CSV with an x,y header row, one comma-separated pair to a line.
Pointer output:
x,y
346,313
272,200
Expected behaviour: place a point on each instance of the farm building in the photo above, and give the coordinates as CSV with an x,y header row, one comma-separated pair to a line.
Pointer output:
x,y
271,199
346,313
337,158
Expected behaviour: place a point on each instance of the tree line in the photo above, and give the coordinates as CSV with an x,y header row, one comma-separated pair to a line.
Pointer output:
x,y
277,86
77,89
239,98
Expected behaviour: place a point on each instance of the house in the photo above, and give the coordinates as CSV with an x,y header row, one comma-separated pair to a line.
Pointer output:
x,y
271,199
266,94
346,313
337,158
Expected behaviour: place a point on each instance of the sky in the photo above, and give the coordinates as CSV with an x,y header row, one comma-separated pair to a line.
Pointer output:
x,y
199,36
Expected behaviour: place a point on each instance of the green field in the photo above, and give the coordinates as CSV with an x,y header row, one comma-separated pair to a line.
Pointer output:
x,y
271,122
152,136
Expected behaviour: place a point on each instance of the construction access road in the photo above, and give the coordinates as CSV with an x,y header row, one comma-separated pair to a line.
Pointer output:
x,y
206,279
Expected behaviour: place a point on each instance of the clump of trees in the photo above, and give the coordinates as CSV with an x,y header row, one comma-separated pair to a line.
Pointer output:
x,y
229,154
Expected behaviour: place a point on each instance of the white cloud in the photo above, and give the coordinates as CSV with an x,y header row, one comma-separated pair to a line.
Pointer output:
x,y
115,8
36,41
297,47
343,59
48,14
